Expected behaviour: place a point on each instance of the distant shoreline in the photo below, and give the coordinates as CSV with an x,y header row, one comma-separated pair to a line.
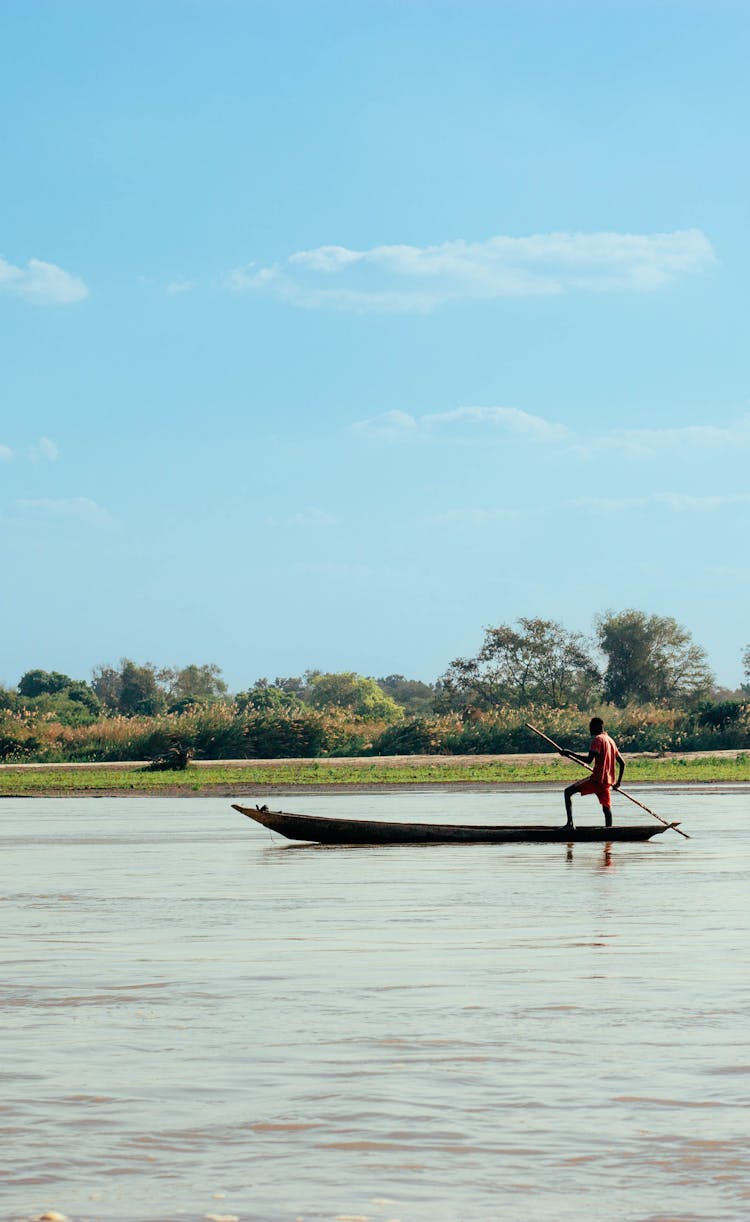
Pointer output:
x,y
247,778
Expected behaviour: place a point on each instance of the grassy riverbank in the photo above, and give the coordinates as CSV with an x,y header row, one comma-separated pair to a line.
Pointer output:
x,y
267,776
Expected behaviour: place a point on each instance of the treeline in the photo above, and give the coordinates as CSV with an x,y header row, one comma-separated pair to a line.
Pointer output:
x,y
644,673
131,690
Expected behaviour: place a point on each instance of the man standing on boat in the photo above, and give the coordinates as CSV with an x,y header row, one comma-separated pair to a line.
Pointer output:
x,y
603,754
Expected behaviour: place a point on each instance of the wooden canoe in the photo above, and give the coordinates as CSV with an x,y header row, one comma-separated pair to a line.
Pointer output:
x,y
325,830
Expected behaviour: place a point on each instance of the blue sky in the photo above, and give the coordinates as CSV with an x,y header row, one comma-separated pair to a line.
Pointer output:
x,y
333,333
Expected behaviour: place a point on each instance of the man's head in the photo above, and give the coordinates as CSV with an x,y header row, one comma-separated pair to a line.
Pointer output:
x,y
596,725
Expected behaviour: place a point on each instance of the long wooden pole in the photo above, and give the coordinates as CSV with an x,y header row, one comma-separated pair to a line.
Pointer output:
x,y
588,767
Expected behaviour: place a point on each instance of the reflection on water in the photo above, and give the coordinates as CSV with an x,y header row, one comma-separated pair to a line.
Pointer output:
x,y
202,1019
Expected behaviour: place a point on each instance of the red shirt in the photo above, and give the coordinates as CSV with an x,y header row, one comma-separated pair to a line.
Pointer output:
x,y
605,750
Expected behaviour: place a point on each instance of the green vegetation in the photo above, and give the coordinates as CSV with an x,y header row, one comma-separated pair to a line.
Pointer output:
x,y
29,782
134,691
641,673
539,662
643,659
362,697
651,658
223,731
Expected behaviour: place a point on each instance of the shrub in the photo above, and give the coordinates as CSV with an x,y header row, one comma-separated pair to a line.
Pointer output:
x,y
418,737
168,751
221,730
284,736
12,748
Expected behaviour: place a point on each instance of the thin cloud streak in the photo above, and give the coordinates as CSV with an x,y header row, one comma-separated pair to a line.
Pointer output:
x,y
77,508
422,278
644,443
462,421
509,420
177,288
387,426
41,283
44,450
474,516
677,502
484,423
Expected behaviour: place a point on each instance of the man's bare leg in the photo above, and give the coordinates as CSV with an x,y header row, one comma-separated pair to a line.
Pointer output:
x,y
568,803
607,816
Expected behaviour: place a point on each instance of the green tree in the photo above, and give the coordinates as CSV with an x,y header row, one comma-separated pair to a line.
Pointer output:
x,y
267,696
42,682
347,690
70,701
145,690
132,690
294,685
61,707
140,691
414,696
80,693
651,659
107,684
539,662
193,684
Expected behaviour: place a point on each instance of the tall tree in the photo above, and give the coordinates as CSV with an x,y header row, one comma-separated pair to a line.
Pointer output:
x,y
413,695
132,690
537,662
140,691
42,682
53,692
347,690
268,697
651,659
107,683
196,684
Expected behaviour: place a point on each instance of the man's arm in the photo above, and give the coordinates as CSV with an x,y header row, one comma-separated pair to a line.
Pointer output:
x,y
620,770
580,759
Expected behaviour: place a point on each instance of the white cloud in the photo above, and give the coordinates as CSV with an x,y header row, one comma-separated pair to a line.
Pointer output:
x,y
388,426
421,278
176,287
501,419
313,518
80,508
644,443
41,283
474,516
675,502
43,450
484,422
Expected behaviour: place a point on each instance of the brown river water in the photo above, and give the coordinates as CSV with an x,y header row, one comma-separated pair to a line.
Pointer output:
x,y
201,1020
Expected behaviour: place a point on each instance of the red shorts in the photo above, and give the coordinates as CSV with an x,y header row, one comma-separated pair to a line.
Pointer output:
x,y
603,792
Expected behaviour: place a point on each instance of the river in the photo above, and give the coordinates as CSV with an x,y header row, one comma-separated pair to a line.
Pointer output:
x,y
201,1020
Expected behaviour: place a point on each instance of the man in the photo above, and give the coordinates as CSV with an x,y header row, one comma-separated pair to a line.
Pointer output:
x,y
603,754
